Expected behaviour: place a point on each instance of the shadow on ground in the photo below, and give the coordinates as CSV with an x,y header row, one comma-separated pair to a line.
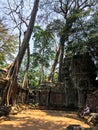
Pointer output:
x,y
41,120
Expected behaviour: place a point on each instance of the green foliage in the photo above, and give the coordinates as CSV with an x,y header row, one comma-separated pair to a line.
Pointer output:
x,y
43,39
56,26
55,78
84,36
43,51
40,59
34,77
33,73
8,45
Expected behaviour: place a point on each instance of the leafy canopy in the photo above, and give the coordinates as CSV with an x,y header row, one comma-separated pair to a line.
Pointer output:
x,y
43,47
8,45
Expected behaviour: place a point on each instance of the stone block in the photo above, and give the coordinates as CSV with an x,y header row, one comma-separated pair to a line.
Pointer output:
x,y
73,127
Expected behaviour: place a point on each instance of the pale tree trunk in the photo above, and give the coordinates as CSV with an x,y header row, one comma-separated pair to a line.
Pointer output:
x,y
64,37
61,61
25,79
13,72
42,73
50,77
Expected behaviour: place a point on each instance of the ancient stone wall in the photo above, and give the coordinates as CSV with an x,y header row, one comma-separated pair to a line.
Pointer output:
x,y
3,82
92,100
79,74
21,93
52,94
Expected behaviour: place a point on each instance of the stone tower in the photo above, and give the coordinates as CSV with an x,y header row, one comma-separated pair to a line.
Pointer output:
x,y
79,74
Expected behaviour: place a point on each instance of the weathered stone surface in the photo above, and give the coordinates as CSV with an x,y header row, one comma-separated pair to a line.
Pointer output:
x,y
92,98
94,118
73,127
51,94
4,110
94,127
79,75
3,82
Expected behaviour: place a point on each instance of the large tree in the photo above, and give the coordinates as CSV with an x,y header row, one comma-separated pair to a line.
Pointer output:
x,y
43,51
72,11
83,37
14,69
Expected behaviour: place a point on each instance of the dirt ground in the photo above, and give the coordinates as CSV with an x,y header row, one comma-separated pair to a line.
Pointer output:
x,y
41,120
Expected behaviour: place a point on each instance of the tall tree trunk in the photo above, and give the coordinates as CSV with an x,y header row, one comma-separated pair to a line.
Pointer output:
x,y
12,84
25,79
42,72
50,77
61,60
64,37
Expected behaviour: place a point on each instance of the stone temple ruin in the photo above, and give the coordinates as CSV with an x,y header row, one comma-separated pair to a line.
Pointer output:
x,y
78,86
79,79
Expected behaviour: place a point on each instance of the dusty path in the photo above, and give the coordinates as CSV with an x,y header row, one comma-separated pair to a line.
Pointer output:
x,y
41,120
